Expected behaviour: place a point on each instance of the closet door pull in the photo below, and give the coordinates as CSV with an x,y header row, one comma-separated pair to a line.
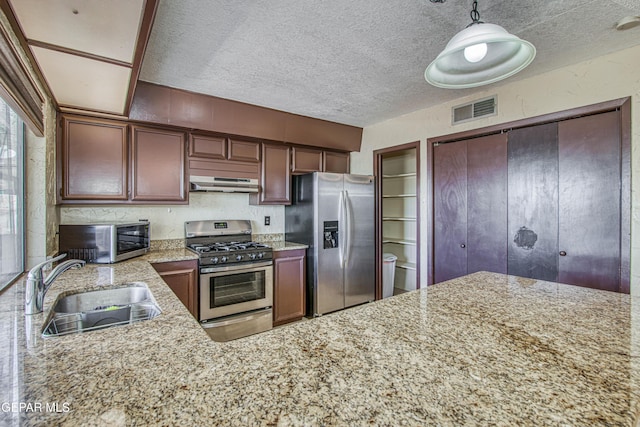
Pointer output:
x,y
463,246
563,253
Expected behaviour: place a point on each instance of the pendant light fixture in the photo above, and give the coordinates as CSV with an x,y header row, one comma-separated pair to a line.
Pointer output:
x,y
480,54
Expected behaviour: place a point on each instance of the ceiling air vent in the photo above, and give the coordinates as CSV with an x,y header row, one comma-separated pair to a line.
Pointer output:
x,y
474,110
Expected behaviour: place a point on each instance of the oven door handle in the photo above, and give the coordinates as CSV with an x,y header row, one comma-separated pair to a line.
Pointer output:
x,y
253,267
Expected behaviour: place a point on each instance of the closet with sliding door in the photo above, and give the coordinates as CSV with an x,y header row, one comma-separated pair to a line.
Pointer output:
x,y
545,199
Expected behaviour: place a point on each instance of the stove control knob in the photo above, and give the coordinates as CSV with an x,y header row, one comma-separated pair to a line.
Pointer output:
x,y
224,259
238,257
252,256
214,260
261,255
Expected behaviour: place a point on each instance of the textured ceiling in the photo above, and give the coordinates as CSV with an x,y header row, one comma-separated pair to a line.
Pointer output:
x,y
357,61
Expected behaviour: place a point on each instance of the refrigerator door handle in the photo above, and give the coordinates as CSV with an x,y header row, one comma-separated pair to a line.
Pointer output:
x,y
341,233
347,226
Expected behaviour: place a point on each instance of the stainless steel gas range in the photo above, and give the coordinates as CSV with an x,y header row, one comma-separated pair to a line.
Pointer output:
x,y
236,278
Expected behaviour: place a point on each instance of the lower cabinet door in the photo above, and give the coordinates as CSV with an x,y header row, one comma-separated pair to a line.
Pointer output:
x,y
289,286
182,278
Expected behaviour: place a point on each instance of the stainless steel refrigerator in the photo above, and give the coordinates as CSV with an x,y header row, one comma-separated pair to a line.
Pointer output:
x,y
334,215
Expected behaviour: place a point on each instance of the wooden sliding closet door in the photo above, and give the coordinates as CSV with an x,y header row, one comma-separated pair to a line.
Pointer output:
x,y
533,202
548,198
487,204
470,207
450,210
589,153
564,201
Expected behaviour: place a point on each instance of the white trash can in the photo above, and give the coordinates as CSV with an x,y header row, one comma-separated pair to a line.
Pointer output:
x,y
388,274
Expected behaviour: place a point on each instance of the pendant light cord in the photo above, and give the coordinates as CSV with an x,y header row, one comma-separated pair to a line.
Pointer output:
x,y
475,15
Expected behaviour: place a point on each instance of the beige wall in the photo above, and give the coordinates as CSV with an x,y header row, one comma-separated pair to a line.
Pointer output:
x,y
609,77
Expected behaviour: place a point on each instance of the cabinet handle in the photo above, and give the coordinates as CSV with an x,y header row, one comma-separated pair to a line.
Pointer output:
x,y
563,253
463,246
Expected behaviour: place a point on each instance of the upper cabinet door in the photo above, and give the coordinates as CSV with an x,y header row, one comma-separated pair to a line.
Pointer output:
x,y
211,147
93,159
275,176
244,151
158,165
305,160
336,162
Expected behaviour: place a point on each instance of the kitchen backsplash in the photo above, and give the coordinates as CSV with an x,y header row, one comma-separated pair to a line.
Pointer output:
x,y
167,222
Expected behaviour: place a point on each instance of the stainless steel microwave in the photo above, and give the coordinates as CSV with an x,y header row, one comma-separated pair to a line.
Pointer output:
x,y
105,243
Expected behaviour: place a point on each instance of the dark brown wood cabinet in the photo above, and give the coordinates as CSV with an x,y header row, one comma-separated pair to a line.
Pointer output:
x,y
223,157
101,163
94,162
182,278
306,160
289,286
336,162
158,165
110,161
275,176
223,148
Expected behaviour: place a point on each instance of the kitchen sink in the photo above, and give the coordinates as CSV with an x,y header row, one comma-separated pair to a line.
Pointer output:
x,y
92,310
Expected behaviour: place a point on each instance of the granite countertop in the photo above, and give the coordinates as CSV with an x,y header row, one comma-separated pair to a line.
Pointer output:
x,y
485,349
168,255
286,246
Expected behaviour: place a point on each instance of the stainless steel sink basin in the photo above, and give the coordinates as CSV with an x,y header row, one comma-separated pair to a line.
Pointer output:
x,y
92,310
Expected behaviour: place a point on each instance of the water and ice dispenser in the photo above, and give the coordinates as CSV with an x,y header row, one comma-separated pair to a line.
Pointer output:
x,y
330,231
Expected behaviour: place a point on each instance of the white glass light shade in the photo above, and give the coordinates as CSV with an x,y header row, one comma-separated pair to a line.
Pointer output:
x,y
505,56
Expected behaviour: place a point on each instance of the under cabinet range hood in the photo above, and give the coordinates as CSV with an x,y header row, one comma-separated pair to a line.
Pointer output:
x,y
223,185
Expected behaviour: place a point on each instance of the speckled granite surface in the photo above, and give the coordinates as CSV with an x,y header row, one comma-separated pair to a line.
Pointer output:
x,y
268,238
167,244
485,349
286,246
160,248
167,255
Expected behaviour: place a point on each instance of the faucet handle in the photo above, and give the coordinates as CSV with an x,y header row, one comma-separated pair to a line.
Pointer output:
x,y
36,272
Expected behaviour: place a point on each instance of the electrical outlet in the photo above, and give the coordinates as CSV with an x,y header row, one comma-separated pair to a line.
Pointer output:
x,y
267,220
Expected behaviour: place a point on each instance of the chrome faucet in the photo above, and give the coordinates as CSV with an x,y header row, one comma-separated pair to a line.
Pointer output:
x,y
37,286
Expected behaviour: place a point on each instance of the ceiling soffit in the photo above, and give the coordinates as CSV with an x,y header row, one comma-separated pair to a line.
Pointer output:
x,y
89,53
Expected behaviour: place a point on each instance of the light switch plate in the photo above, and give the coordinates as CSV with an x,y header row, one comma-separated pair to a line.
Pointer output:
x,y
267,220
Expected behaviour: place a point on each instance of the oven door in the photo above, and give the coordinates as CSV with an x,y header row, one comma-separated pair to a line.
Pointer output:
x,y
235,289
